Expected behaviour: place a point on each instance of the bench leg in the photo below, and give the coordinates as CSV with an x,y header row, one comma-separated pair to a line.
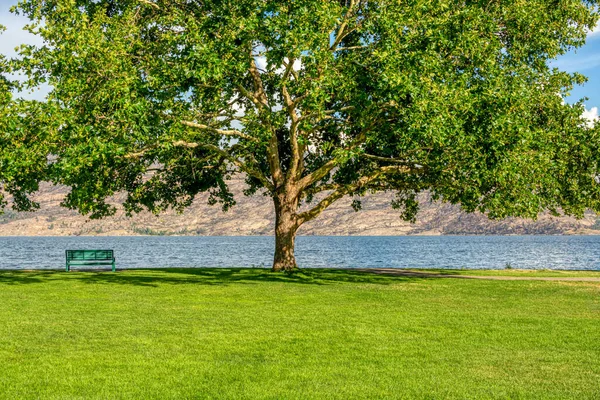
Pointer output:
x,y
113,266
67,266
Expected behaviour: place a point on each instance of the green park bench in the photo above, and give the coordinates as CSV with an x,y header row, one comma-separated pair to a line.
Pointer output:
x,y
90,257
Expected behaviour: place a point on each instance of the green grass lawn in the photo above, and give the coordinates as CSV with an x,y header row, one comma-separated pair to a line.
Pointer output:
x,y
250,333
529,273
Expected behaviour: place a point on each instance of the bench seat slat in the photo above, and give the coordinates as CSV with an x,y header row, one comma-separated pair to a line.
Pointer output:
x,y
91,262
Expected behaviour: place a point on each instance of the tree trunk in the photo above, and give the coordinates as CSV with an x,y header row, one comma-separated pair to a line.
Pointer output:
x,y
286,225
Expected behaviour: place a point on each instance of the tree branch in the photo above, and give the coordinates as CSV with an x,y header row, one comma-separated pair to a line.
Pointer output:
x,y
273,151
288,69
224,132
259,91
326,113
341,191
148,2
233,159
296,154
351,48
321,172
340,32
387,159
250,96
334,196
321,188
243,166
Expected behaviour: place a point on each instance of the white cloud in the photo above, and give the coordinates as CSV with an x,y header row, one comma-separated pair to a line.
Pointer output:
x,y
595,31
261,63
591,115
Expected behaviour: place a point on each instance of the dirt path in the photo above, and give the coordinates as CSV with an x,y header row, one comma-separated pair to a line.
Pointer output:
x,y
416,274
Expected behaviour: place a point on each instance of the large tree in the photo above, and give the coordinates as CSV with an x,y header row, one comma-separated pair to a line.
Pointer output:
x,y
311,100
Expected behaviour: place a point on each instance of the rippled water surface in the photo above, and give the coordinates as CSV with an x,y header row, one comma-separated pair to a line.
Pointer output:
x,y
530,252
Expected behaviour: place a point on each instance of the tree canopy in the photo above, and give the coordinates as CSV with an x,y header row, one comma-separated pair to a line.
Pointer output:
x,y
23,153
311,101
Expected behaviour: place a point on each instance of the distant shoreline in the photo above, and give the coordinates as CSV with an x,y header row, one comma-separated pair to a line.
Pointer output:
x,y
593,233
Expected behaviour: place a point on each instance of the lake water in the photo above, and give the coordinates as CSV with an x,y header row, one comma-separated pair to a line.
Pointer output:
x,y
472,252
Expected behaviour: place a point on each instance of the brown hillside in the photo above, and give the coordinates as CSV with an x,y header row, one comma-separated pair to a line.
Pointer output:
x,y
254,216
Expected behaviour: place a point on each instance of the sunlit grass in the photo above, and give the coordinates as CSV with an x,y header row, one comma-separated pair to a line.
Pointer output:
x,y
530,273
217,333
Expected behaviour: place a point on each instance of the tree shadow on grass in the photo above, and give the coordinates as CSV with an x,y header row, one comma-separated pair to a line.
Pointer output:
x,y
204,276
25,277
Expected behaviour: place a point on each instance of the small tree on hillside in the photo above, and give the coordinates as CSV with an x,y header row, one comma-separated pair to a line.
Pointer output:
x,y
164,99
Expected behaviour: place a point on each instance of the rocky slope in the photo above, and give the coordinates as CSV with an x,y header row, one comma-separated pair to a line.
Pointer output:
x,y
254,216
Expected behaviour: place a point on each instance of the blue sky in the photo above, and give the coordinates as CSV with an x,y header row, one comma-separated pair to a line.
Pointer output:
x,y
585,59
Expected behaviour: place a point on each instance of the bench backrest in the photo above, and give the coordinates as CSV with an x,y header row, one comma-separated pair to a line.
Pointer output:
x,y
90,255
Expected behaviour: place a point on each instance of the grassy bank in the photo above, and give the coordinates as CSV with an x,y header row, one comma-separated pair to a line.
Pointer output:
x,y
208,333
